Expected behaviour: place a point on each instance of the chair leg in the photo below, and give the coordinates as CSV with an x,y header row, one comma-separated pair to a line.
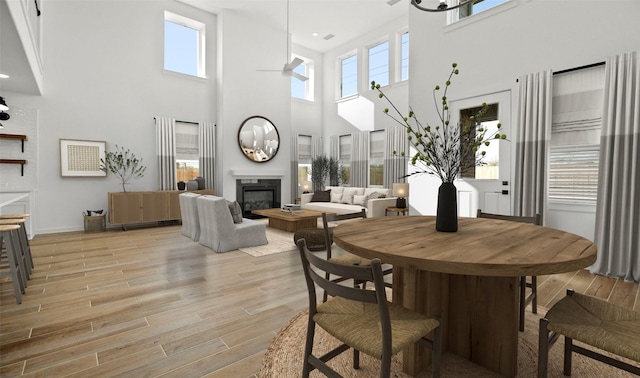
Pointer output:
x,y
356,359
568,343
436,352
523,301
534,294
308,348
543,348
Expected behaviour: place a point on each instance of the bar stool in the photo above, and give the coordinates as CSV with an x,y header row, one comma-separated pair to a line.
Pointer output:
x,y
24,237
9,234
23,252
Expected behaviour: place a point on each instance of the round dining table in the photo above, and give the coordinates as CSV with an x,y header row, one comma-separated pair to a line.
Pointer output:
x,y
469,279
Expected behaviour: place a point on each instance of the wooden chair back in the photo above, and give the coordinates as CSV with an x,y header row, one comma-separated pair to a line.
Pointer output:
x,y
536,219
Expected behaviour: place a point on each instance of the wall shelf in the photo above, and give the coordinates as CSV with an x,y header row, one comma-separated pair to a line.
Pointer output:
x,y
15,161
20,137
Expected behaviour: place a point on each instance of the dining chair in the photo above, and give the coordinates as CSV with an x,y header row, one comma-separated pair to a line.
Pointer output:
x,y
524,282
361,319
345,258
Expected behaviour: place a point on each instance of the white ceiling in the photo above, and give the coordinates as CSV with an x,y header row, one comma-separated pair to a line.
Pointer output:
x,y
346,19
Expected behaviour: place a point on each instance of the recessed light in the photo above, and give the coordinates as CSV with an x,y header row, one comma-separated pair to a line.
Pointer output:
x,y
392,2
314,34
4,76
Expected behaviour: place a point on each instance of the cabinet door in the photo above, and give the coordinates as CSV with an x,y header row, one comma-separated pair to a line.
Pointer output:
x,y
174,205
125,208
155,206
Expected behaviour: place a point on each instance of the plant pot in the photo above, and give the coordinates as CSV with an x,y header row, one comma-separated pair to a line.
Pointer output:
x,y
447,215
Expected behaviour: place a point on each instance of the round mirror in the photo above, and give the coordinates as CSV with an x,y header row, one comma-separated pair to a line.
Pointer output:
x,y
258,139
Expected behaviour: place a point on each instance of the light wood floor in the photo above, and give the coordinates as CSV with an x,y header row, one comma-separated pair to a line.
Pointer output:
x,y
150,302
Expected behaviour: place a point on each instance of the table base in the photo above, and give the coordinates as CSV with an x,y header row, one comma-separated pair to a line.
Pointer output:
x,y
479,316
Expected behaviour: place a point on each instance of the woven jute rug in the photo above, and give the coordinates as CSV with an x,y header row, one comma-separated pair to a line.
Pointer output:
x,y
283,357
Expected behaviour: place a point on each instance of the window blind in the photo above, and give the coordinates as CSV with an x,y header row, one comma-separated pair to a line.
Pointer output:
x,y
573,173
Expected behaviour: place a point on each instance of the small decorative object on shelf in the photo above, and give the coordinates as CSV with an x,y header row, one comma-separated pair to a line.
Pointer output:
x,y
444,150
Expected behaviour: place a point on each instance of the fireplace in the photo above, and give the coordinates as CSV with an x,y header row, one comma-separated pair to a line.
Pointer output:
x,y
254,194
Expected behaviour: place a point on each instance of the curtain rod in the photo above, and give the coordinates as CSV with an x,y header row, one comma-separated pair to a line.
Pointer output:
x,y
580,68
576,68
177,120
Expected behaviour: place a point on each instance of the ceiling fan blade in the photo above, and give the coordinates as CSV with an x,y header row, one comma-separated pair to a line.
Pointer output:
x,y
299,77
294,63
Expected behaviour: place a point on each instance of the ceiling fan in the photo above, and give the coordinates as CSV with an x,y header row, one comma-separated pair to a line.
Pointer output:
x,y
287,69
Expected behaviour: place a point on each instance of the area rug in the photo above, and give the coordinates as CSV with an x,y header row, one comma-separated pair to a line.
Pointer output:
x,y
283,357
279,241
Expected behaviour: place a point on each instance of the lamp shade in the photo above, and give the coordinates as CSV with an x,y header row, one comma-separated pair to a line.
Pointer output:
x,y
401,189
305,186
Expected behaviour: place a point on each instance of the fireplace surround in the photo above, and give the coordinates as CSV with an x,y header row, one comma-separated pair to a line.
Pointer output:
x,y
254,194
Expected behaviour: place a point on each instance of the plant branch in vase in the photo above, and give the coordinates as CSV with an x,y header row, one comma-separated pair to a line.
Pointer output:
x,y
444,149
124,164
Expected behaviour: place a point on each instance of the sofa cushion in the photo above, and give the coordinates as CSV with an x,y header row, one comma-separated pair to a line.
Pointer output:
x,y
336,197
336,189
360,200
386,192
236,211
347,195
321,196
329,207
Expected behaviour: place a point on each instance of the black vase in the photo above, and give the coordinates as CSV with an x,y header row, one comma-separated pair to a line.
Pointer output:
x,y
182,185
447,215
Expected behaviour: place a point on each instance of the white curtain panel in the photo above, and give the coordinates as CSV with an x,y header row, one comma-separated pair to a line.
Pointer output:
x,y
207,160
316,146
294,167
533,134
166,152
334,147
360,159
617,233
395,165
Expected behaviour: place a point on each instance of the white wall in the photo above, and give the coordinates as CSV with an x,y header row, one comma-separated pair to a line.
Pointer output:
x,y
521,37
104,80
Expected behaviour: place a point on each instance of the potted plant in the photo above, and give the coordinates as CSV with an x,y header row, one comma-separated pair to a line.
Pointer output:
x,y
319,171
124,164
444,150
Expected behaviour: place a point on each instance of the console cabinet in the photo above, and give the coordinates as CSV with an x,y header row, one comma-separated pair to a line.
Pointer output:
x,y
142,207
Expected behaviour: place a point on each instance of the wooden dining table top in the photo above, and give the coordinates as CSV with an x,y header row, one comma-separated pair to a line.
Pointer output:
x,y
480,247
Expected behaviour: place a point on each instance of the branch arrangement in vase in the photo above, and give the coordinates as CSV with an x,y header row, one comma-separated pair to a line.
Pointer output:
x,y
124,164
441,149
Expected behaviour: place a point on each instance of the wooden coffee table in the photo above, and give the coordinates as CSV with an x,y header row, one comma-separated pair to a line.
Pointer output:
x,y
290,222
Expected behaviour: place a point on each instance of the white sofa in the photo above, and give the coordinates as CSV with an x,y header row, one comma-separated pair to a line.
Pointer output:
x,y
350,200
220,233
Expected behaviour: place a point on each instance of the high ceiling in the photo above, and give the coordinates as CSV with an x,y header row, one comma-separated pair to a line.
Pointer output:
x,y
345,19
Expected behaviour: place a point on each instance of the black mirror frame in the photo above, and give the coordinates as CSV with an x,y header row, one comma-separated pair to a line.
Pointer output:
x,y
248,154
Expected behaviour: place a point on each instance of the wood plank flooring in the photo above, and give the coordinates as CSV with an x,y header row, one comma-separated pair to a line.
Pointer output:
x,y
150,302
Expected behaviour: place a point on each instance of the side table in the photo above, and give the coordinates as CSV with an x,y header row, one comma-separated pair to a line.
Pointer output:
x,y
397,210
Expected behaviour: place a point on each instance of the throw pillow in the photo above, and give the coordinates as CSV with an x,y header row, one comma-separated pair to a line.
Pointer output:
x,y
375,195
236,211
321,196
360,200
347,195
336,197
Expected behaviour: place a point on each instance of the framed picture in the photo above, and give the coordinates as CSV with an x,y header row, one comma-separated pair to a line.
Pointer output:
x,y
81,158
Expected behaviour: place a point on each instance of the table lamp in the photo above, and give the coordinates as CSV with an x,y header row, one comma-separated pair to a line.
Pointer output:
x,y
305,186
401,190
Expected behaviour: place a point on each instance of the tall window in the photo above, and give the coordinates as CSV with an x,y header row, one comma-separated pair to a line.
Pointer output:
x,y
187,151
575,136
345,159
304,158
184,41
349,82
303,89
376,158
478,7
404,56
379,63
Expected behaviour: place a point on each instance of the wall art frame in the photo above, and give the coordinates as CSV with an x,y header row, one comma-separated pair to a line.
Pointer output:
x,y
81,158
